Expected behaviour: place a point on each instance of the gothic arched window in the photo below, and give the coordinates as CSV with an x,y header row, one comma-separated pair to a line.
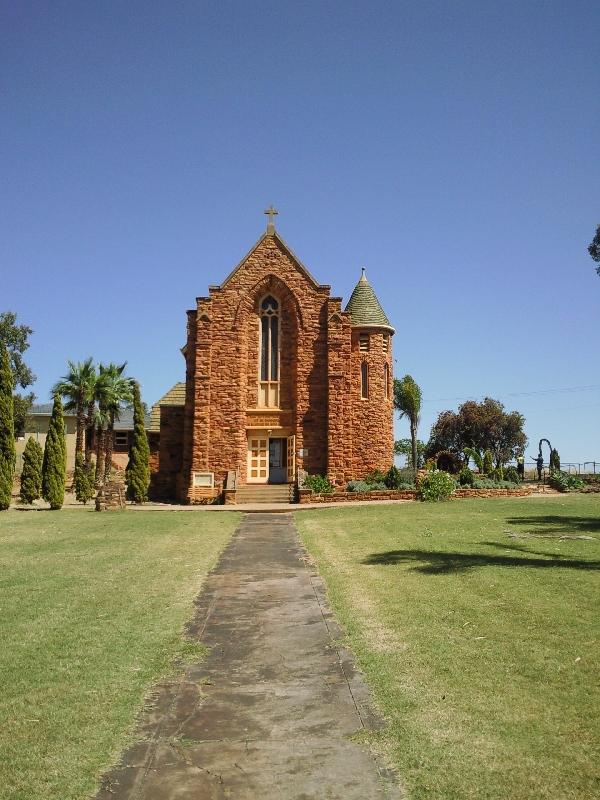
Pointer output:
x,y
270,344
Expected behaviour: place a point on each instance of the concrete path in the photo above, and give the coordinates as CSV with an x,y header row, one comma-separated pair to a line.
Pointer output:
x,y
268,715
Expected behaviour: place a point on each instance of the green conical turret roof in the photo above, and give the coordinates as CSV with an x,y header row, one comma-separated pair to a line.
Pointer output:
x,y
364,307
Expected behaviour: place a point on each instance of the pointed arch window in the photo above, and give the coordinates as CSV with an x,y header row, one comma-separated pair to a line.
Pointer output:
x,y
270,344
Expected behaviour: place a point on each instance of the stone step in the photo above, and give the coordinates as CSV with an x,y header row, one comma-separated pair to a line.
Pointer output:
x,y
279,493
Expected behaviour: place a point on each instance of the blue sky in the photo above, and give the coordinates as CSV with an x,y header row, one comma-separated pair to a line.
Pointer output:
x,y
451,148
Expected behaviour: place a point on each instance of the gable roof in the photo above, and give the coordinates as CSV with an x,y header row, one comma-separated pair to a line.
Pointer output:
x,y
45,410
174,397
364,307
124,423
287,249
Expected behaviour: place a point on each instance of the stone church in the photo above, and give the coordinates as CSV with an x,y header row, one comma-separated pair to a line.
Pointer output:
x,y
279,379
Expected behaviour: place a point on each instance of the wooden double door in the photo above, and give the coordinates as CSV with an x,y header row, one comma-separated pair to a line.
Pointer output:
x,y
271,459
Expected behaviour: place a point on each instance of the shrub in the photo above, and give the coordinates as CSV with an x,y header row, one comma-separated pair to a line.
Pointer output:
x,y
497,474
358,486
393,478
554,460
565,482
488,483
319,484
54,465
83,479
363,486
376,476
488,462
436,485
466,477
7,429
31,476
448,462
511,474
137,474
407,477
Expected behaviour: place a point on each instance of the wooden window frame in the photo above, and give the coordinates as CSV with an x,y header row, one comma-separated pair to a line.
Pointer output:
x,y
268,386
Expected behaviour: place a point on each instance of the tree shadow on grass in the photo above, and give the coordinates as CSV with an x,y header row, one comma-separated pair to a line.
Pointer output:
x,y
439,563
556,524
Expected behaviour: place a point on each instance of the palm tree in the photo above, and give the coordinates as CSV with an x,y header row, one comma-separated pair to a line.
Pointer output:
x,y
407,400
77,387
113,391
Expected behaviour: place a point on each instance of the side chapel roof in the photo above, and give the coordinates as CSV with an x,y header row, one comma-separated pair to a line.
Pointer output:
x,y
364,307
174,397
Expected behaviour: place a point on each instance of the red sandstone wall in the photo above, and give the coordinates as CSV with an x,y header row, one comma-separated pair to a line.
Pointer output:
x,y
225,367
166,482
320,379
372,418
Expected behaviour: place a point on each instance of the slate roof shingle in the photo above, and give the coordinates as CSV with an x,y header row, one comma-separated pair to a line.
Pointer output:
x,y
174,397
364,307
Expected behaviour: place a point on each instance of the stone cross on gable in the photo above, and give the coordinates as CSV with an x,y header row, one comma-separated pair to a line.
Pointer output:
x,y
271,213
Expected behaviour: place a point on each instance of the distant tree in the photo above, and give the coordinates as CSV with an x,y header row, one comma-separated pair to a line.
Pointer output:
x,y
407,400
116,391
480,426
77,387
403,447
7,429
137,473
594,249
15,339
54,465
83,479
112,390
31,476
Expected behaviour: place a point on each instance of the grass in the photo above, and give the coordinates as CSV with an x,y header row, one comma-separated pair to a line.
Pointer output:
x,y
93,608
477,625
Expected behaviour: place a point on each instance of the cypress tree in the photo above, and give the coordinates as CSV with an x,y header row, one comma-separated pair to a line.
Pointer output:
x,y
54,467
31,477
554,460
7,429
488,462
137,473
83,480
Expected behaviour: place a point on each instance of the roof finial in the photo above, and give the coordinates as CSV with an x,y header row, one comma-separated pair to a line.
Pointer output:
x,y
363,277
271,213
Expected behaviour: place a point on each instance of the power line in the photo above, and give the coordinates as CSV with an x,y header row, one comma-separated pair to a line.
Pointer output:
x,y
563,390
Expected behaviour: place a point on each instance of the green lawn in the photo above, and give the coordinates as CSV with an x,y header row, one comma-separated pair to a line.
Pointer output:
x,y
477,624
92,610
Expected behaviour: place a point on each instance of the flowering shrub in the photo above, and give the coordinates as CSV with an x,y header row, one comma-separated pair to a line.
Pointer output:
x,y
436,485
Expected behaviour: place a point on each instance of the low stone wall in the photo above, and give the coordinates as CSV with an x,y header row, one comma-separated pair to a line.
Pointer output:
x,y
305,496
519,491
